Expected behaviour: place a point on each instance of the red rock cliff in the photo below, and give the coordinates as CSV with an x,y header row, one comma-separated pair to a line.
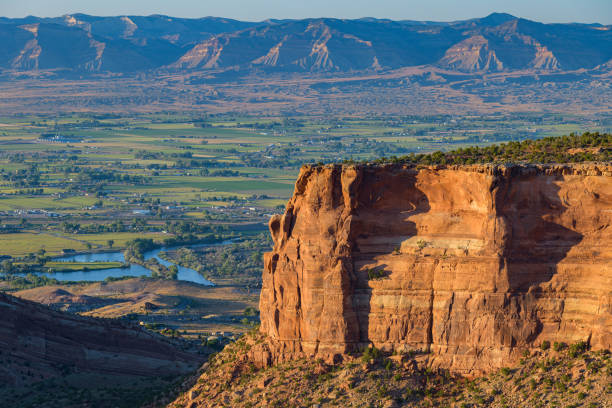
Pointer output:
x,y
471,264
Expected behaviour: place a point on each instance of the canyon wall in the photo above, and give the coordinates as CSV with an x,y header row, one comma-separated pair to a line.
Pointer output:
x,y
468,265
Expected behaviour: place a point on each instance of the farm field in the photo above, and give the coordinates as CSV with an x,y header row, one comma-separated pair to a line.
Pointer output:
x,y
76,266
21,244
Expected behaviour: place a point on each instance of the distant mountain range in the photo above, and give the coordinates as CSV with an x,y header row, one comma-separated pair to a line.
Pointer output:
x,y
81,43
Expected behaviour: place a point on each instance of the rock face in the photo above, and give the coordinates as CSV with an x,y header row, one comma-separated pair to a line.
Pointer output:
x,y
468,264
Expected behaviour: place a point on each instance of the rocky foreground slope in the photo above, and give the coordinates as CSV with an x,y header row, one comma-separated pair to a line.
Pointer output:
x,y
553,376
467,265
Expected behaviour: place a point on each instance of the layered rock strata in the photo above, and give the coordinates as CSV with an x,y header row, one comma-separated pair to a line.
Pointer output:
x,y
467,264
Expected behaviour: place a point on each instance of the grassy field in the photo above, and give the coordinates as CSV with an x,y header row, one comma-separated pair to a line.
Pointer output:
x,y
22,244
77,266
25,202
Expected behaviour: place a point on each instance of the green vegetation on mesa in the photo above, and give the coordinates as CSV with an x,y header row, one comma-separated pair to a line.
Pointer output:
x,y
562,149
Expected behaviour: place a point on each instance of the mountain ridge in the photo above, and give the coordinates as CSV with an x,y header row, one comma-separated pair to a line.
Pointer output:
x,y
127,44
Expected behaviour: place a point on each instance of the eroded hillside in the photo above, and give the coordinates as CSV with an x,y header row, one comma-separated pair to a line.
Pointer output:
x,y
55,359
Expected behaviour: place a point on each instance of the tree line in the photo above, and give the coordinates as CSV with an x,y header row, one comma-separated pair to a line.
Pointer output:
x,y
572,148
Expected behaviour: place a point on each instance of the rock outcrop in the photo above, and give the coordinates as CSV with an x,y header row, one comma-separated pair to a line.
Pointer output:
x,y
469,265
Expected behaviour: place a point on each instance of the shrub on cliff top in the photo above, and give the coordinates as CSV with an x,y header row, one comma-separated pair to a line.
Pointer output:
x,y
577,348
374,274
371,353
558,346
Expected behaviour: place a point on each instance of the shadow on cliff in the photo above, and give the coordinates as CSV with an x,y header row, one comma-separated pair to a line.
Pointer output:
x,y
385,209
534,244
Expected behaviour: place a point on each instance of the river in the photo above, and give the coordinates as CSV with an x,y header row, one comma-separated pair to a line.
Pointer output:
x,y
185,274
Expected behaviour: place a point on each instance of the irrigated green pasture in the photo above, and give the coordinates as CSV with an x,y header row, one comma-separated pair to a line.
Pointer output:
x,y
21,244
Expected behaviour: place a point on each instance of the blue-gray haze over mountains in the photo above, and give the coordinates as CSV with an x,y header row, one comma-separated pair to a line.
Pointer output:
x,y
127,44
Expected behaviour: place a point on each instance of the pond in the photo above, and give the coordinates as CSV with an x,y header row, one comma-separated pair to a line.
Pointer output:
x,y
185,274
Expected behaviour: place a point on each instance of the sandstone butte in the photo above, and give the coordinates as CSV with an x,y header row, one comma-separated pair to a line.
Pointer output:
x,y
468,265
